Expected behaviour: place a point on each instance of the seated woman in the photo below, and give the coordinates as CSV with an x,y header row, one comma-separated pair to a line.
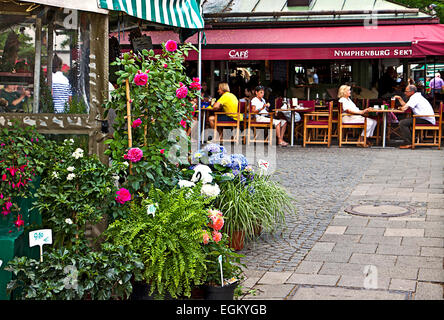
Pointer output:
x,y
349,106
258,104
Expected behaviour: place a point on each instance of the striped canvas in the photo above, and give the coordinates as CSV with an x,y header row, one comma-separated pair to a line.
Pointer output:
x,y
178,13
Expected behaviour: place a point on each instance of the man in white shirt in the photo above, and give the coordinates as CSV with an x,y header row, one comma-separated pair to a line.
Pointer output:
x,y
419,106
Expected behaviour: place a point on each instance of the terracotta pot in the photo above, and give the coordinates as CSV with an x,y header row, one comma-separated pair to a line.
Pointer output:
x,y
237,240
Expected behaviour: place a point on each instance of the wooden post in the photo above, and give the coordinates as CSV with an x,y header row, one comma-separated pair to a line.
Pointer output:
x,y
128,115
38,56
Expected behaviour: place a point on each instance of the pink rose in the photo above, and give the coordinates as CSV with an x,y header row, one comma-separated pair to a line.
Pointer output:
x,y
195,86
123,196
134,155
165,65
183,123
217,236
206,237
162,151
218,223
181,92
171,45
136,123
141,79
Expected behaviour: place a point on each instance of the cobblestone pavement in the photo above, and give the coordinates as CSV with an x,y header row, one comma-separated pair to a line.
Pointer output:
x,y
319,179
327,253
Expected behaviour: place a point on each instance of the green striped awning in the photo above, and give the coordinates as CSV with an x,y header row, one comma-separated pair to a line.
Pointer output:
x,y
177,13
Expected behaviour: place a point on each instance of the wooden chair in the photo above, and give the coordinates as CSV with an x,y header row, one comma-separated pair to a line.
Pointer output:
x,y
253,125
344,126
419,131
235,124
314,122
335,120
299,126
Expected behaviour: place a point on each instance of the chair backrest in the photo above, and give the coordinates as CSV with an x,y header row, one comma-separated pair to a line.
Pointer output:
x,y
307,104
278,103
242,106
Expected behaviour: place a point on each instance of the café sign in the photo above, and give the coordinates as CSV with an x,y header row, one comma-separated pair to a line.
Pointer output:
x,y
238,54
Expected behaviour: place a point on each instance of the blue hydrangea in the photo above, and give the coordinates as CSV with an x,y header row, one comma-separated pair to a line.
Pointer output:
x,y
214,148
238,160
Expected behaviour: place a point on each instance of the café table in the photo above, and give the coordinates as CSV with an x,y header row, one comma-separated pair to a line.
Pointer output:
x,y
292,111
205,110
384,119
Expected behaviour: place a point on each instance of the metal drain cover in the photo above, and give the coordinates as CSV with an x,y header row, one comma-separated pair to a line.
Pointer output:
x,y
382,211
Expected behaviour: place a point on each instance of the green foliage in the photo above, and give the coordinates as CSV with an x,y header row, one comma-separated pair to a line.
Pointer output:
x,y
160,111
76,189
422,4
72,275
169,243
20,164
75,106
261,202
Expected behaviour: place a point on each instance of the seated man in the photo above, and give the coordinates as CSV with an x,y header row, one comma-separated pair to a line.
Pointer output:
x,y
228,103
12,99
420,106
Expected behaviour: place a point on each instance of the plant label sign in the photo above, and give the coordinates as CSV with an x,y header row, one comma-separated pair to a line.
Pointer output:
x,y
1,262
263,165
40,238
151,209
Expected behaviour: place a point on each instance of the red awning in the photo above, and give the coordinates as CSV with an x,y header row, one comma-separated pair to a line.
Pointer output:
x,y
355,42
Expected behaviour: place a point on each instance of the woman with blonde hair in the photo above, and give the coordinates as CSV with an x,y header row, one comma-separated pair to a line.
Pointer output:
x,y
357,116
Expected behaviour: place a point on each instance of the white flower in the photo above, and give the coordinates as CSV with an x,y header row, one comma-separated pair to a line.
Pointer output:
x,y
126,163
55,174
71,176
70,169
70,141
116,177
186,184
78,153
68,221
210,190
202,173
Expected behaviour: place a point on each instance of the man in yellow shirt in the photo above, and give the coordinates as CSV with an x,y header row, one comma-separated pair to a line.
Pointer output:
x,y
228,103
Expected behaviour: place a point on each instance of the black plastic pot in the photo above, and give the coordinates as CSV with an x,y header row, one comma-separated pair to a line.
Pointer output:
x,y
141,292
220,293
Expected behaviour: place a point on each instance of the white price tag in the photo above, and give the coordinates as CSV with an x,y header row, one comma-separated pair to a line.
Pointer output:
x,y
263,164
40,238
1,262
151,209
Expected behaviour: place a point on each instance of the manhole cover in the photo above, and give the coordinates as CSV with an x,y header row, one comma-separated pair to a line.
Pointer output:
x,y
379,210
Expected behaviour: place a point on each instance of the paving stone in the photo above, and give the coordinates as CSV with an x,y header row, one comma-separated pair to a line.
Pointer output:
x,y
356,247
381,240
394,232
335,293
433,275
335,230
363,282
423,242
328,256
335,268
313,279
435,212
402,285
420,262
432,252
365,231
324,246
435,232
274,277
398,250
338,238
268,291
373,259
428,291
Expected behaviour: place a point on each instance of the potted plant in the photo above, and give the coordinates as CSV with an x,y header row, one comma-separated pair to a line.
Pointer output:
x,y
165,229
223,265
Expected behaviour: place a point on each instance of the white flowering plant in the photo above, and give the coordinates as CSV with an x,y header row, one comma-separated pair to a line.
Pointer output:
x,y
75,190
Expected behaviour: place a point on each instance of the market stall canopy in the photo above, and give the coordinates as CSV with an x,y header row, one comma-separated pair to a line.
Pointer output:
x,y
338,42
84,5
179,13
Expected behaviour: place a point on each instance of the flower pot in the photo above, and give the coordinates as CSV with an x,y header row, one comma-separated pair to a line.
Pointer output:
x,y
220,293
141,292
237,239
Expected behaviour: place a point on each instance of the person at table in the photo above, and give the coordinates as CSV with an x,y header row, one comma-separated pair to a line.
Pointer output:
x,y
61,89
357,115
227,103
13,99
419,106
258,104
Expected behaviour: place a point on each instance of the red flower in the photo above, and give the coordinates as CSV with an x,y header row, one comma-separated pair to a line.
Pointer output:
x,y
181,92
205,236
123,195
136,123
141,79
171,45
162,151
134,155
19,221
217,236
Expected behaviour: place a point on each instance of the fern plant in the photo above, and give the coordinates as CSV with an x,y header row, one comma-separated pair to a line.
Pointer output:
x,y
168,241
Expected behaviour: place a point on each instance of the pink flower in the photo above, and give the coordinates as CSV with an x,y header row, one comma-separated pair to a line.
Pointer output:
x,y
136,123
19,222
217,236
4,177
141,79
195,79
171,45
183,123
195,86
123,195
162,151
12,170
205,236
165,65
181,92
218,223
134,155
